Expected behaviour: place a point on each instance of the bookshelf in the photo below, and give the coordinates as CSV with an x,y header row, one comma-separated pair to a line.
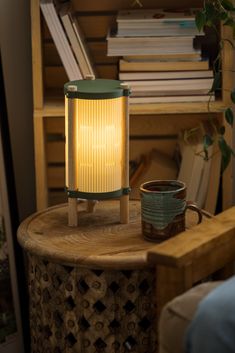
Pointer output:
x,y
49,77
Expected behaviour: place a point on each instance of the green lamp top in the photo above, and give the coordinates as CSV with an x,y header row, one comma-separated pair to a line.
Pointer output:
x,y
96,89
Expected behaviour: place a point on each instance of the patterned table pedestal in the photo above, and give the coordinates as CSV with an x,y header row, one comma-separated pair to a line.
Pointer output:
x,y
90,287
75,309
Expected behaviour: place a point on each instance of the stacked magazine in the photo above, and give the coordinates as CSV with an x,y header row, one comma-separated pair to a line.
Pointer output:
x,y
160,56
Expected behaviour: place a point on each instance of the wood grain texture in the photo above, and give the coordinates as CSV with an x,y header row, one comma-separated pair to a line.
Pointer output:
x,y
56,177
36,55
212,241
170,283
40,162
99,240
55,107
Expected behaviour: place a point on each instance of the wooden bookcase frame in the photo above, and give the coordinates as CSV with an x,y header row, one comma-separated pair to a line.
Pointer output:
x,y
46,107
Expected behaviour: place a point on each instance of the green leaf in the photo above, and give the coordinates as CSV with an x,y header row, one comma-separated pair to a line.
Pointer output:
x,y
223,16
228,5
233,96
216,82
229,22
222,130
206,155
229,116
210,10
225,152
207,141
232,151
200,20
225,160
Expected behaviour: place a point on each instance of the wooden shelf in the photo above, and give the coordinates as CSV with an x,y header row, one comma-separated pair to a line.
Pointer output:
x,y
177,108
55,108
49,77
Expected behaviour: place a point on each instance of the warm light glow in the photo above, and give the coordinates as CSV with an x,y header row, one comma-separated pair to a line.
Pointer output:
x,y
97,143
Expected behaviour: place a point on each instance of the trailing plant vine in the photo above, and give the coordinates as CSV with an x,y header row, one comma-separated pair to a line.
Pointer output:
x,y
212,14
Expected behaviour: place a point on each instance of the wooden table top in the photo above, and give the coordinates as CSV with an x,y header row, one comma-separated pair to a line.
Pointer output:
x,y
99,241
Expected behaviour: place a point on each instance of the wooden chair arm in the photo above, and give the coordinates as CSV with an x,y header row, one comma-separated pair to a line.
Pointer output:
x,y
194,255
214,238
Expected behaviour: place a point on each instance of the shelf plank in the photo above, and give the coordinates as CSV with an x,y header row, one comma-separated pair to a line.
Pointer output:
x,y
176,108
55,108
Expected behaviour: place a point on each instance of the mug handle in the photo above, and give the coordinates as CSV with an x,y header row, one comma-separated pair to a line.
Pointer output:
x,y
192,206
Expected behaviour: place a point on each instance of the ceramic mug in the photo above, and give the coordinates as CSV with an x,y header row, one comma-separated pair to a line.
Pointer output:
x,y
163,207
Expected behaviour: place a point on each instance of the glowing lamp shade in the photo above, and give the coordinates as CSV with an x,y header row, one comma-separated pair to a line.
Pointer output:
x,y
97,133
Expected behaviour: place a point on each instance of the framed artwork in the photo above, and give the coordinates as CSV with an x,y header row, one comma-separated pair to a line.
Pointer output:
x,y
11,337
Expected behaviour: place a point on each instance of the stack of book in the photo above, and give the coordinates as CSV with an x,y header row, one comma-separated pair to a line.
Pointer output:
x,y
161,60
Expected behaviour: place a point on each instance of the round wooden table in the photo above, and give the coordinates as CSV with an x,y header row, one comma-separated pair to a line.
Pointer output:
x,y
91,288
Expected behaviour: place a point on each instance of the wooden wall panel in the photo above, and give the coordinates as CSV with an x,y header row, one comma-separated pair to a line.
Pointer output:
x,y
107,71
54,76
50,55
54,125
96,26
55,152
56,177
107,5
98,52
139,147
164,124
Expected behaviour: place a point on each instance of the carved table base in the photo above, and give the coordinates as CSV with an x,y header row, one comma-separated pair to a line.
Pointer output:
x,y
80,310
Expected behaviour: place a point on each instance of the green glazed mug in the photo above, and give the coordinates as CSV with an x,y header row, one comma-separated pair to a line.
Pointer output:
x,y
163,207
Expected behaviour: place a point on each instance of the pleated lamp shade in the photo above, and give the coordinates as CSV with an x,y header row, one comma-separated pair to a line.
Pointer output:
x,y
97,133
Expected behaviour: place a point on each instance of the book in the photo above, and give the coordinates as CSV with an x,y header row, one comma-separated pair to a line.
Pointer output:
x,y
61,42
165,57
171,99
204,182
191,169
155,16
171,30
213,182
78,45
83,44
170,87
122,46
155,22
165,75
162,65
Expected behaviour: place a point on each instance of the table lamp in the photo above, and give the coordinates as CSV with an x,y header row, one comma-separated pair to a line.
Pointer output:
x,y
97,144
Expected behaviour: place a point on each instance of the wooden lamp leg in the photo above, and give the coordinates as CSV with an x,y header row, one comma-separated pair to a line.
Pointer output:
x,y
72,212
91,205
124,200
71,157
124,209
